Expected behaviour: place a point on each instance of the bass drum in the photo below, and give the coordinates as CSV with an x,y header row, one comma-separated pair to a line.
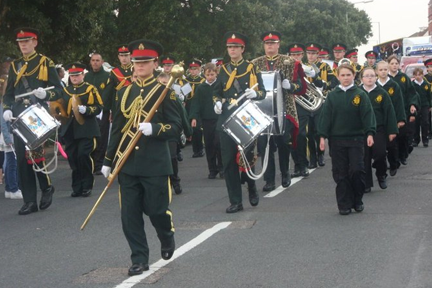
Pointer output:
x,y
273,105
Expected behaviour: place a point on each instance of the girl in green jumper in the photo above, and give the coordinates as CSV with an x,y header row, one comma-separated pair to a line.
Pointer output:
x,y
346,119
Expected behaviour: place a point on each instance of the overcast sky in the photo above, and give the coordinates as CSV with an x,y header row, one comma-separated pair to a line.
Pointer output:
x,y
397,19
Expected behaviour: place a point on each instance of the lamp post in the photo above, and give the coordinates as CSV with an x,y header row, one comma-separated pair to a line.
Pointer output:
x,y
379,31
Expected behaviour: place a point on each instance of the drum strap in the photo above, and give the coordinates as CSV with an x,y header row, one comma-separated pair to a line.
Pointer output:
x,y
235,83
26,85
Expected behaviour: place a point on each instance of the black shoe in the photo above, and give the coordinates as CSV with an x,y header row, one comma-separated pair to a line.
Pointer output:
x,y
98,173
137,269
221,175
198,154
286,180
212,176
414,144
304,173
359,208
368,190
167,248
312,166
179,157
46,198
393,172
403,161
344,211
382,182
76,194
269,187
177,189
234,208
410,149
28,208
321,161
86,193
296,173
425,144
253,196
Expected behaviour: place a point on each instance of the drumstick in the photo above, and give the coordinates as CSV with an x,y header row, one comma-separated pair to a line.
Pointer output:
x,y
241,97
32,92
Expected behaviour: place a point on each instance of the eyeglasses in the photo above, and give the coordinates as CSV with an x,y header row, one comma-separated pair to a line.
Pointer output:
x,y
369,76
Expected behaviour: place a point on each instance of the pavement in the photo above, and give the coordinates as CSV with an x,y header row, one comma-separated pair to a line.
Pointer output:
x,y
295,238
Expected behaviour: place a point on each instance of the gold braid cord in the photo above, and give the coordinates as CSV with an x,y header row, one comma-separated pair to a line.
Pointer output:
x,y
288,72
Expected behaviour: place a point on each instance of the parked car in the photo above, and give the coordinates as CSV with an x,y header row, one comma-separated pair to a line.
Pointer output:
x,y
409,69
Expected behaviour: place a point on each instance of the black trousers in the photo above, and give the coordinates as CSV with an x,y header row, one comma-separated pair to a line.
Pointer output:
x,y
299,154
144,195
233,177
212,146
175,179
281,143
405,138
197,139
422,125
348,171
102,144
313,139
81,162
377,153
27,175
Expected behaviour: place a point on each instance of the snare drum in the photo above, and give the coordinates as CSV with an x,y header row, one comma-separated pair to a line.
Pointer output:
x,y
273,105
246,124
34,126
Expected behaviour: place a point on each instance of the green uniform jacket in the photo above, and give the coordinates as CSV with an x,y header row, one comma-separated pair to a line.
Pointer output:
x,y
428,78
424,91
396,96
227,94
202,106
151,156
383,108
99,80
119,77
347,115
34,73
409,94
89,97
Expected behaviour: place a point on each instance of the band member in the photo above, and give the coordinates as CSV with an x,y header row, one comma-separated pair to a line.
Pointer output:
x,y
323,54
202,108
98,77
144,178
194,79
167,63
346,124
371,58
299,153
395,93
423,89
352,55
323,72
31,72
339,50
219,63
386,129
273,61
119,77
411,105
428,77
80,138
236,77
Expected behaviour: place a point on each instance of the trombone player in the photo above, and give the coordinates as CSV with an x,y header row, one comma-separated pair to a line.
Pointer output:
x,y
144,177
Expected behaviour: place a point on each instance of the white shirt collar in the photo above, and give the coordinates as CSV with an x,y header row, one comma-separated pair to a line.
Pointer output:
x,y
419,83
347,87
382,84
211,82
370,89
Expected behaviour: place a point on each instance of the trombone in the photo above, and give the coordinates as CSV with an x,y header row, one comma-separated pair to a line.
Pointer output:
x,y
176,72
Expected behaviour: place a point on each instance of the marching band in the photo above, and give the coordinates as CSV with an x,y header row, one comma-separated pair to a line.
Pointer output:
x,y
368,114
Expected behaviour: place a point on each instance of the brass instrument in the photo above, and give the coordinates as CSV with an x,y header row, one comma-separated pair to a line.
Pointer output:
x,y
312,99
176,72
58,109
76,101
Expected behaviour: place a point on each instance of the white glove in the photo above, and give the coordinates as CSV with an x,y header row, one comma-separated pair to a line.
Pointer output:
x,y
40,93
181,97
146,128
218,107
82,109
309,71
286,84
7,115
106,170
251,94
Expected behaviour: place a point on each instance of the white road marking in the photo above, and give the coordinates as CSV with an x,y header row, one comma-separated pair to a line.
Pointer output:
x,y
280,189
132,281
